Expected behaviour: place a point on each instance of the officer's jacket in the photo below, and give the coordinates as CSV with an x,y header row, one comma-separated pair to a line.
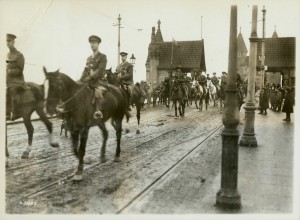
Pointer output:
x,y
126,71
215,80
202,80
98,65
223,80
14,68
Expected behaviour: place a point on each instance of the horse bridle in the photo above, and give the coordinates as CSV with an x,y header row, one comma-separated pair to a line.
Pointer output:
x,y
62,103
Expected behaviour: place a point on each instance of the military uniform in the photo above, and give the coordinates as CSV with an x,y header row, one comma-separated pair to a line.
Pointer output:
x,y
94,70
125,70
14,76
181,79
203,82
125,74
93,74
223,80
215,81
14,68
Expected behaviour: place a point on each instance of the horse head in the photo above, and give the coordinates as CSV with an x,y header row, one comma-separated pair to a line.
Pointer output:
x,y
111,77
57,87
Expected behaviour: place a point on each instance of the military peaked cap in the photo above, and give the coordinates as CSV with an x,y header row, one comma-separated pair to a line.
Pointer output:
x,y
95,38
178,67
123,54
10,37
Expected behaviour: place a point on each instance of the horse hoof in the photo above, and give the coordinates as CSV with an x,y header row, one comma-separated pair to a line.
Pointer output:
x,y
54,145
126,131
103,159
117,159
25,155
6,164
138,131
77,178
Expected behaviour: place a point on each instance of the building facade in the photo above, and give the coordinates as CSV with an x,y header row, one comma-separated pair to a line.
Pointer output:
x,y
164,56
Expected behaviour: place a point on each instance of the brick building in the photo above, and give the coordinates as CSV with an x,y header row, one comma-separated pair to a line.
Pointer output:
x,y
164,56
280,58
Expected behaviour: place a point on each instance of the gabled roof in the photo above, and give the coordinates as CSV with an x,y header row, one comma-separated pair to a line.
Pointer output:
x,y
187,54
279,52
241,46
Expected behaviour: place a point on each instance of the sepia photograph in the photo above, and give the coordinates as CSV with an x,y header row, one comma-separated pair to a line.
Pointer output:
x,y
153,109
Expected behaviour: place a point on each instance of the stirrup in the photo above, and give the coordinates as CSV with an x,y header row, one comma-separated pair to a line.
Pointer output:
x,y
98,114
60,110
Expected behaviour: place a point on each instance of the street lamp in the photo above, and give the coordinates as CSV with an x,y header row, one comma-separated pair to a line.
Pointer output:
x,y
132,59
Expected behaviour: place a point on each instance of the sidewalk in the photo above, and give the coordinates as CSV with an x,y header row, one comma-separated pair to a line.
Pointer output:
x,y
265,177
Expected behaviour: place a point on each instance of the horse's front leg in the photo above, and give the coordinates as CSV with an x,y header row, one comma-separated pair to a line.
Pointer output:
x,y
138,117
81,152
119,135
105,136
75,141
175,105
45,120
30,130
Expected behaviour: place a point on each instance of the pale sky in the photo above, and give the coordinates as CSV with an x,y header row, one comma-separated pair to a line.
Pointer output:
x,y
54,33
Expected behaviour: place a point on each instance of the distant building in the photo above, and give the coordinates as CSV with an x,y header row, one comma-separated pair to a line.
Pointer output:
x,y
280,60
242,58
165,56
280,53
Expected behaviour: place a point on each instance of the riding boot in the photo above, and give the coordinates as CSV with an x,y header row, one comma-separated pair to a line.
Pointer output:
x,y
14,115
129,98
98,113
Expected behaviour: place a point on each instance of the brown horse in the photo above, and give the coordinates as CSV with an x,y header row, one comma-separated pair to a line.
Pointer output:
x,y
32,99
78,102
136,94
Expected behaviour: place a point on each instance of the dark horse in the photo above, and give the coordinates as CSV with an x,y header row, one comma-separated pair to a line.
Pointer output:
x,y
32,99
136,95
78,102
177,98
239,96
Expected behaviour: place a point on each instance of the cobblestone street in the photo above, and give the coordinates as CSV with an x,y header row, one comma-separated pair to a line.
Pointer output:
x,y
173,166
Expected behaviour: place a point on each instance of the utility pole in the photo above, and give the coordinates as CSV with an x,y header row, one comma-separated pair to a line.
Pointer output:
x,y
119,44
201,27
263,47
228,196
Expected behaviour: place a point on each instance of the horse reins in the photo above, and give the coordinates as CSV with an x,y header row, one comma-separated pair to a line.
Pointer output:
x,y
61,105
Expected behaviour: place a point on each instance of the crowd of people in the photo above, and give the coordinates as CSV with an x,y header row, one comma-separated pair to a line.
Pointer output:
x,y
277,98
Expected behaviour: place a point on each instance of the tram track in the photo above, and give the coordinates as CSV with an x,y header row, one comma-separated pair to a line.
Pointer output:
x,y
68,180
69,153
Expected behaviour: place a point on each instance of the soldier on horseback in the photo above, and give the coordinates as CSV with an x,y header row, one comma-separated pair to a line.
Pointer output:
x,y
125,75
215,82
181,79
14,76
224,79
203,82
93,74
